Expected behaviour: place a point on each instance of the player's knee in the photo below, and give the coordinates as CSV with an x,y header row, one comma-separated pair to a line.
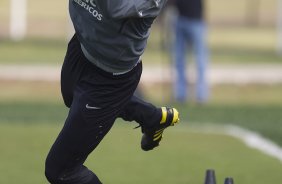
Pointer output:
x,y
53,177
51,172
50,176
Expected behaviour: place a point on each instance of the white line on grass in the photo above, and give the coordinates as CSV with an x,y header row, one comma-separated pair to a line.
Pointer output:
x,y
254,140
250,138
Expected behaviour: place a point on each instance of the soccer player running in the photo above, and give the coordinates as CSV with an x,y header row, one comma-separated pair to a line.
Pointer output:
x,y
101,71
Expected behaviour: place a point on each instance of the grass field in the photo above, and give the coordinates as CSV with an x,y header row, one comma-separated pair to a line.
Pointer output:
x,y
227,45
32,113
182,158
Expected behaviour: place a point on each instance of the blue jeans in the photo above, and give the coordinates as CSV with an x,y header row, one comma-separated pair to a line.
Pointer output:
x,y
190,33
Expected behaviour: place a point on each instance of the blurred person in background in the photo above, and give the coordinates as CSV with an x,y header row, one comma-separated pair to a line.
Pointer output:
x,y
101,71
190,32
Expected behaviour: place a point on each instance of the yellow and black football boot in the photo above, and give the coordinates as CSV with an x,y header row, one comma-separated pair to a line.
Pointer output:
x,y
152,136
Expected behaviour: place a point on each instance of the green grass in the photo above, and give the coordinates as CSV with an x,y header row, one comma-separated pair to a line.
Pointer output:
x,y
256,107
32,51
227,45
32,114
244,45
182,158
263,119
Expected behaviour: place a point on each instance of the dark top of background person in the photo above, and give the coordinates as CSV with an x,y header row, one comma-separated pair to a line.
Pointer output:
x,y
189,8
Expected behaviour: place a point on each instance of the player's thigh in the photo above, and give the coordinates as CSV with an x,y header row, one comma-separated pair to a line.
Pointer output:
x,y
77,139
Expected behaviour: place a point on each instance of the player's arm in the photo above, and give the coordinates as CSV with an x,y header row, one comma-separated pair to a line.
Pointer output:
x,y
130,8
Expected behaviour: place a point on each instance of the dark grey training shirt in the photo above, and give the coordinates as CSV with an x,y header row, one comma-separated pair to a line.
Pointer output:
x,y
114,33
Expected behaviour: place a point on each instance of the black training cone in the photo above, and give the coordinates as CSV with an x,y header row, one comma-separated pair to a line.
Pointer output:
x,y
228,181
210,177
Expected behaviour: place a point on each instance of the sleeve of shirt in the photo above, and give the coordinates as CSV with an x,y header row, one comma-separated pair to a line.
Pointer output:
x,y
130,8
